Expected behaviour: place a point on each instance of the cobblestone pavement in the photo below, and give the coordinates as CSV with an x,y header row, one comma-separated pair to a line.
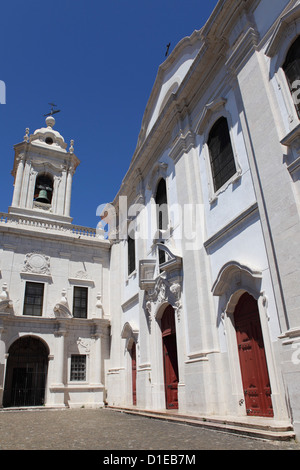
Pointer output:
x,y
104,429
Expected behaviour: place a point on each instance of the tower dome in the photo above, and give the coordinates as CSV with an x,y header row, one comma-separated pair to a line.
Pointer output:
x,y
46,136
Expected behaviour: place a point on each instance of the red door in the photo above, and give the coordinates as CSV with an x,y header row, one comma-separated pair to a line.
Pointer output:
x,y
133,373
170,358
254,369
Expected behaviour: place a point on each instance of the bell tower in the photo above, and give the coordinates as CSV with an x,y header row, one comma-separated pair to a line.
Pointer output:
x,y
43,171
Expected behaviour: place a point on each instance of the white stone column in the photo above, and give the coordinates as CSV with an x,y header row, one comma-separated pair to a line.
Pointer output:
x,y
31,187
57,388
18,182
61,193
97,380
59,357
25,184
68,192
56,185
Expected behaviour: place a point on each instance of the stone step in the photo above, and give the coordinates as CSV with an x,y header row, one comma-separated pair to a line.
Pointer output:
x,y
258,427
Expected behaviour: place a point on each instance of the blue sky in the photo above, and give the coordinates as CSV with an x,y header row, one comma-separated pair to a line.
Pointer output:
x,y
97,60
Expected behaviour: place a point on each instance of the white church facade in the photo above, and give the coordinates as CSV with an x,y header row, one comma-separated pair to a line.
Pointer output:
x,y
191,301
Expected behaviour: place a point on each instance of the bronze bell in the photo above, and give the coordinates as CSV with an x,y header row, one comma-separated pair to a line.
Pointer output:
x,y
42,197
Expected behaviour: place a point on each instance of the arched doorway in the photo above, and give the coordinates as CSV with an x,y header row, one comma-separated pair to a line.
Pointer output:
x,y
171,377
133,372
253,363
26,373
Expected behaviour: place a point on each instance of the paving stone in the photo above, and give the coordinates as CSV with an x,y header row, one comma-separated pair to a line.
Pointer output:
x,y
104,429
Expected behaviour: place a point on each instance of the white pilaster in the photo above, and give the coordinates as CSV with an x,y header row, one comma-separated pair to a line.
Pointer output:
x,y
18,182
68,192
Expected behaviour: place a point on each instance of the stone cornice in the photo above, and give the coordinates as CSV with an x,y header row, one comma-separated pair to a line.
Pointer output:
x,y
183,144
247,44
231,225
292,142
59,324
53,157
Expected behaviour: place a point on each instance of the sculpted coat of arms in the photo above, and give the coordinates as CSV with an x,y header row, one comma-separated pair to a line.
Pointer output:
x,y
37,263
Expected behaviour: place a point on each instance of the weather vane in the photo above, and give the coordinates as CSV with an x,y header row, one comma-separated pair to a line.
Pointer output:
x,y
53,111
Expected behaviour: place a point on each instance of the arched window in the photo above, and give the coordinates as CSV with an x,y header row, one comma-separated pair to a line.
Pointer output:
x,y
221,154
291,69
162,205
43,188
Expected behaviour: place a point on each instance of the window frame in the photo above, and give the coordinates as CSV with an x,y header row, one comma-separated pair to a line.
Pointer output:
x,y
131,255
27,305
76,289
162,218
217,166
209,123
78,371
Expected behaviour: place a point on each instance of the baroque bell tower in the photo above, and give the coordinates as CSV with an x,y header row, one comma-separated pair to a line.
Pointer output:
x,y
43,171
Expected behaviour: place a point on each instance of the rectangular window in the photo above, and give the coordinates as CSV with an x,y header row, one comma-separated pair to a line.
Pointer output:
x,y
131,255
78,367
33,302
80,298
221,153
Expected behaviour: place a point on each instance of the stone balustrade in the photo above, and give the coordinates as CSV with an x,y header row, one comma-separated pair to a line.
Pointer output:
x,y
38,224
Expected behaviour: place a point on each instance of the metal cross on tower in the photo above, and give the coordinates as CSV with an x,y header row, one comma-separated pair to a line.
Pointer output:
x,y
53,111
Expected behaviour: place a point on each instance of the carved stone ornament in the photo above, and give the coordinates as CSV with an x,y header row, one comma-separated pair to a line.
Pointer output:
x,y
84,345
176,291
163,292
5,302
62,309
99,305
81,275
37,263
166,287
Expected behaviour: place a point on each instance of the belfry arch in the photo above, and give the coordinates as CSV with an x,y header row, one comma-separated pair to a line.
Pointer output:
x,y
43,188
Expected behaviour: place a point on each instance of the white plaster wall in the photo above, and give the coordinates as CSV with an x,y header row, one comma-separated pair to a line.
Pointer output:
x,y
65,265
70,264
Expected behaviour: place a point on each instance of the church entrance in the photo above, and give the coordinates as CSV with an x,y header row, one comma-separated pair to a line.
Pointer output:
x,y
254,369
170,358
26,373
